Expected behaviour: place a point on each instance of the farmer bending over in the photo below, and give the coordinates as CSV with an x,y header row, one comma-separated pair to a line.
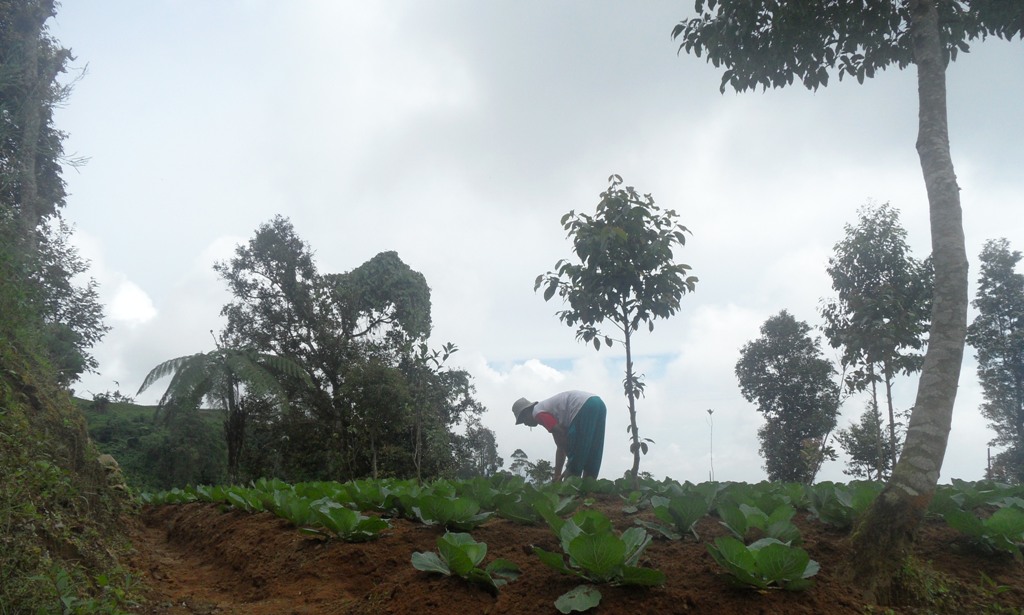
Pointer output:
x,y
576,422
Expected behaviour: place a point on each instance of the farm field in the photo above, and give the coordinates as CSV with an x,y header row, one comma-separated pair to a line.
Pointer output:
x,y
205,557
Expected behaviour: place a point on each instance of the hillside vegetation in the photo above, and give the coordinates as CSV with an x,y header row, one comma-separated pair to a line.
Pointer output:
x,y
155,454
60,542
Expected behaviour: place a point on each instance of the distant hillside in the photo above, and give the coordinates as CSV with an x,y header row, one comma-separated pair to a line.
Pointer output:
x,y
156,454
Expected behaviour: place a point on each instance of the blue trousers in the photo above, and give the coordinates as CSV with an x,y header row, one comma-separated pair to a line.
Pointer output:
x,y
586,439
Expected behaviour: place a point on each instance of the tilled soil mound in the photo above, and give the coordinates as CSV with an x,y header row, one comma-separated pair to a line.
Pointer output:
x,y
195,558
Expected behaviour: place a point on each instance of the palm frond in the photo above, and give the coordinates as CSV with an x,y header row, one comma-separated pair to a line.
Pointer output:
x,y
164,369
196,376
285,366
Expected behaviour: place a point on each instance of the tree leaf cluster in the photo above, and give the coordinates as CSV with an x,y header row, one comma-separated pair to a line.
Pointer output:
x,y
59,512
62,310
881,312
777,44
626,272
880,318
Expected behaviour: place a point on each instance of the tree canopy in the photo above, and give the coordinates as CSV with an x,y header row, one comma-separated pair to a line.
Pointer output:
x,y
778,43
793,386
997,335
382,402
60,515
881,312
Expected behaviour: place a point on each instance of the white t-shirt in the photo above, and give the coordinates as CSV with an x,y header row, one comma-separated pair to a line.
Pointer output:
x,y
564,406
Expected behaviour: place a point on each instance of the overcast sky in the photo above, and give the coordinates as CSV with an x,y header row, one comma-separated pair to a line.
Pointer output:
x,y
457,134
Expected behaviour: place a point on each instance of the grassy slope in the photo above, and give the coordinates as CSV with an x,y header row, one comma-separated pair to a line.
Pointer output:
x,y
60,529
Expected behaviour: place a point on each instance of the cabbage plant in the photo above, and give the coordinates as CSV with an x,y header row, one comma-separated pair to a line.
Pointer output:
x,y
742,520
530,506
840,505
343,522
1003,530
765,563
597,555
679,514
453,513
458,554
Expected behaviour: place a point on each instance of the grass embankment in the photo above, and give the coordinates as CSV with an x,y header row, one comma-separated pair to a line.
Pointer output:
x,y
61,537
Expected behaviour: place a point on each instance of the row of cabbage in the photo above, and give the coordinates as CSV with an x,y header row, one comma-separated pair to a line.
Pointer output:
x,y
762,547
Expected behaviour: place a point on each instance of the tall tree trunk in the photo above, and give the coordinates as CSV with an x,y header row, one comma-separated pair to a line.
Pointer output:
x,y
878,435
417,452
341,411
1018,406
373,455
884,534
234,427
892,415
629,385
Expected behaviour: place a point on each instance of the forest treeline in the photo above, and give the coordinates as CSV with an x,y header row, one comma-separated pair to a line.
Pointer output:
x,y
316,376
877,321
371,397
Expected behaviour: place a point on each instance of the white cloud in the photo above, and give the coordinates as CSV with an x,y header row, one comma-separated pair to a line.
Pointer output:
x,y
130,305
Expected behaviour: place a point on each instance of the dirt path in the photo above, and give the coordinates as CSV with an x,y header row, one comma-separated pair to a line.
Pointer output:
x,y
182,580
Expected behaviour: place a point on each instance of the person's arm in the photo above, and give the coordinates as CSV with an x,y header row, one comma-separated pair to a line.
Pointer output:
x,y
561,436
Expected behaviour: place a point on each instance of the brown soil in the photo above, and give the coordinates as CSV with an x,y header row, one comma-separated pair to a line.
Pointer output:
x,y
197,559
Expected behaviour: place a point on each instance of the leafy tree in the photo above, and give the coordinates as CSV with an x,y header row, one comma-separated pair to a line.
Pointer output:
x,y
542,472
186,448
222,376
31,148
32,192
287,443
881,313
997,335
59,513
520,463
184,451
335,325
379,395
283,305
72,315
784,373
771,43
476,451
626,275
864,443
538,473
440,397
